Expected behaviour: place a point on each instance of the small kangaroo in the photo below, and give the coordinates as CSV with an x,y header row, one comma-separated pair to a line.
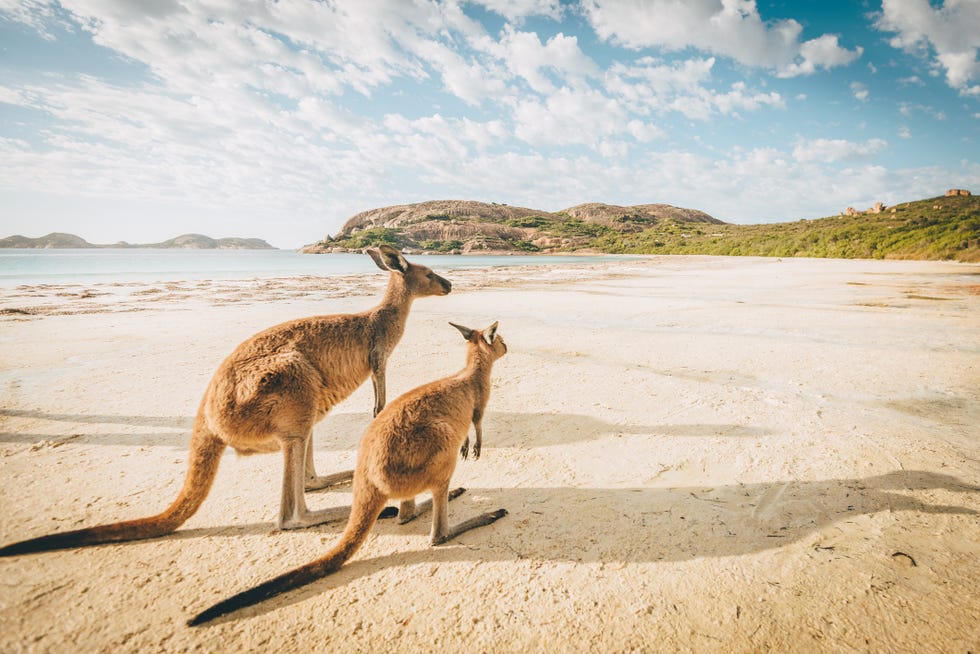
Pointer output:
x,y
408,449
267,396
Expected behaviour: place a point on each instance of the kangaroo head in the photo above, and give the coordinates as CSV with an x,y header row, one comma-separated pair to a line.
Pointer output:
x,y
419,280
487,340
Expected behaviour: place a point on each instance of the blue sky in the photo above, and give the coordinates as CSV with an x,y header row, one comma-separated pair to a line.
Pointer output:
x,y
139,120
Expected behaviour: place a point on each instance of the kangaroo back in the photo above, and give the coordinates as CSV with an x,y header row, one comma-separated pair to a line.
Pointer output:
x,y
205,455
368,502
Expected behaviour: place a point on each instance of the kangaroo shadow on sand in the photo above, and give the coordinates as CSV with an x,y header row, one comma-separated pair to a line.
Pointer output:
x,y
342,431
626,525
630,525
174,422
178,437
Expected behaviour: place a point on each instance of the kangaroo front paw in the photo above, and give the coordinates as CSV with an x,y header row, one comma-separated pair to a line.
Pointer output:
x,y
465,450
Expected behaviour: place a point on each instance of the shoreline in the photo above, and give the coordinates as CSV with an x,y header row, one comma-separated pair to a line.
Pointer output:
x,y
696,453
43,299
25,301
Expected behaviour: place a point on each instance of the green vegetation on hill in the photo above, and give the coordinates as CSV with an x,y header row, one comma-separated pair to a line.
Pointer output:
x,y
937,228
375,236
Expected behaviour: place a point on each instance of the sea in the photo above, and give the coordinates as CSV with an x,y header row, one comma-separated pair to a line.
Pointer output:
x,y
20,267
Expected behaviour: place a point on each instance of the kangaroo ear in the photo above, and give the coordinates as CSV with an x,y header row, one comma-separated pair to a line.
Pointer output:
x,y
490,333
376,256
392,259
465,331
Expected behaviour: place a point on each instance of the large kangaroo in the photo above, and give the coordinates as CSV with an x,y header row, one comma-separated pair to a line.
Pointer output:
x,y
267,396
408,449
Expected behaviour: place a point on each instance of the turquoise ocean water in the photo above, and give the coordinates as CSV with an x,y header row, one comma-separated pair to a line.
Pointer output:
x,y
19,267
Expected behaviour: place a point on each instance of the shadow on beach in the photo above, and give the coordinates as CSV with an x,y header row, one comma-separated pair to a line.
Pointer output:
x,y
586,525
582,525
633,525
342,431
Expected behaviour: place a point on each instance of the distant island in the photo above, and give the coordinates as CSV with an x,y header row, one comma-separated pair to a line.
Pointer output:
x,y
943,228
182,242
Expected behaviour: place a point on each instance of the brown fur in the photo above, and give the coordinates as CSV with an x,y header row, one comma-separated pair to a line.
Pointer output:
x,y
410,448
267,396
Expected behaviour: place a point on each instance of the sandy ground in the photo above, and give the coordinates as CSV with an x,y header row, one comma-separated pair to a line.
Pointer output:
x,y
698,454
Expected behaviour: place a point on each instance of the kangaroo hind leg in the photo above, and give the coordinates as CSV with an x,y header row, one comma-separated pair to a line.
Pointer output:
x,y
408,510
442,532
293,513
319,482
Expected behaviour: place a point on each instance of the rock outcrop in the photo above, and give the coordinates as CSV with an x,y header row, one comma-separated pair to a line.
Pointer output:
x,y
957,191
851,211
438,210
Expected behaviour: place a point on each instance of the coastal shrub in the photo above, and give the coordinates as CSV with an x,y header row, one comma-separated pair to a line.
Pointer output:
x,y
940,228
525,246
528,221
440,246
373,237
577,228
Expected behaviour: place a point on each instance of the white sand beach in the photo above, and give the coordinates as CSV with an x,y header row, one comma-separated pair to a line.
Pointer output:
x,y
697,454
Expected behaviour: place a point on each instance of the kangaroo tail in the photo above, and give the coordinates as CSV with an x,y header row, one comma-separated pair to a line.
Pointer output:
x,y
205,454
368,502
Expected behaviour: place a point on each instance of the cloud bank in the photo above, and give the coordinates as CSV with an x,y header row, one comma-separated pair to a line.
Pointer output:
x,y
316,110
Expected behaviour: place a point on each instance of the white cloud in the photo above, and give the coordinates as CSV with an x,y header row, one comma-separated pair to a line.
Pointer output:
x,y
471,82
315,110
908,108
950,33
830,151
515,10
40,15
766,184
528,58
645,132
293,48
569,117
822,52
651,87
904,132
124,142
647,83
860,91
737,99
731,28
435,141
